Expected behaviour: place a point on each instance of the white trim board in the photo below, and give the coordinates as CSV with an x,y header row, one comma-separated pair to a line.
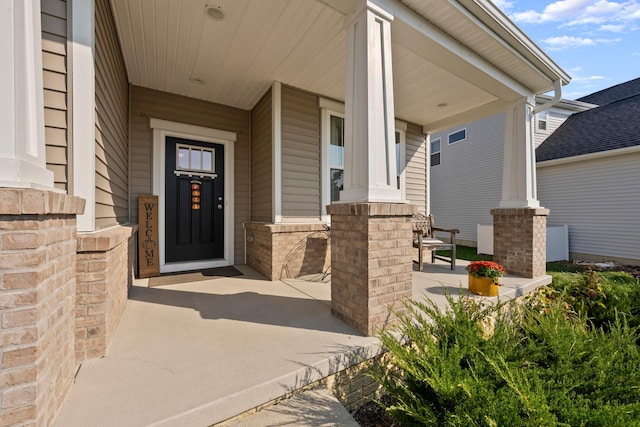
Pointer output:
x,y
163,128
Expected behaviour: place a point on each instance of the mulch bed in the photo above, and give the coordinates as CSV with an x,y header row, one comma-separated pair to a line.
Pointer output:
x,y
373,415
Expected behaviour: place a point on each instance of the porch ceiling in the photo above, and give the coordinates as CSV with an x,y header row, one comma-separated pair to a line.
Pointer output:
x,y
448,65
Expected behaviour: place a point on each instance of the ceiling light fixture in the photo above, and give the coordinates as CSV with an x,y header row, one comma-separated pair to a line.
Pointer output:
x,y
214,12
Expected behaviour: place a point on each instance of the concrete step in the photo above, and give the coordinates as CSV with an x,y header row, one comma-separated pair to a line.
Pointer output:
x,y
314,408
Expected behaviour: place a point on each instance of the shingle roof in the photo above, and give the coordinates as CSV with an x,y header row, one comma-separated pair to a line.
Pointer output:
x,y
614,93
608,127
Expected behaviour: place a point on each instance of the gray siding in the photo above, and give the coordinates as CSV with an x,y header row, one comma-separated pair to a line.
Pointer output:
x,y
599,200
261,161
554,119
147,103
112,104
55,80
467,183
300,156
416,169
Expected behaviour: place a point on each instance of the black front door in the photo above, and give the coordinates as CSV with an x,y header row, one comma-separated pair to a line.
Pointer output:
x,y
194,200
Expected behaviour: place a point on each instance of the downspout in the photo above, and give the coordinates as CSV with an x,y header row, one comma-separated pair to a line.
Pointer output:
x,y
557,89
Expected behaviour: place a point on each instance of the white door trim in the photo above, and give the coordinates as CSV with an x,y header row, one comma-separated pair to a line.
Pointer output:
x,y
163,128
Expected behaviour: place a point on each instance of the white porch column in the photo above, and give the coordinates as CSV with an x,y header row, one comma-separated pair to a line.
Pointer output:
x,y
369,140
84,111
519,166
22,149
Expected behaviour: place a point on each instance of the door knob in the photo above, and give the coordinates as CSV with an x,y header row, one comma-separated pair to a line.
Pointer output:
x,y
220,206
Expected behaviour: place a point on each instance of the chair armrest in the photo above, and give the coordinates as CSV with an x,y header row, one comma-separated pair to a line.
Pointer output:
x,y
446,230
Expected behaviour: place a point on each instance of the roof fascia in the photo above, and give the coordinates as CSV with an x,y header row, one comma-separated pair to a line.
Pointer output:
x,y
566,104
491,15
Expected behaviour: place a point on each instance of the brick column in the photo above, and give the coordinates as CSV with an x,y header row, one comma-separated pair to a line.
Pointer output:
x,y
37,298
520,240
371,267
104,275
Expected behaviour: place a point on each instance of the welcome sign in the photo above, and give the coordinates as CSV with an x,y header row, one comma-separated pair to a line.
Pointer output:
x,y
148,244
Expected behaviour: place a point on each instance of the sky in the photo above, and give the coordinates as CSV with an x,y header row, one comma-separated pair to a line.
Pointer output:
x,y
596,41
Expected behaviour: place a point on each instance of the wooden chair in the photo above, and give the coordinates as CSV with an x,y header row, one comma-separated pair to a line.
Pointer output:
x,y
425,239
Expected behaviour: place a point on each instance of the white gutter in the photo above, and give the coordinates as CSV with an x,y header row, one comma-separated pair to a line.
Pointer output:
x,y
557,96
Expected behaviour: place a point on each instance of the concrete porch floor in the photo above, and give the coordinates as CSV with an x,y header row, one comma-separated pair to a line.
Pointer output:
x,y
196,354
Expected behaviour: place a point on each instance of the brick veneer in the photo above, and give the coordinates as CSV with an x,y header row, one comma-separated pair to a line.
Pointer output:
x,y
37,297
281,251
520,240
104,274
371,267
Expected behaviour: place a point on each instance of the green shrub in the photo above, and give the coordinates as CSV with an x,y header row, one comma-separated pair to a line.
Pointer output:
x,y
601,296
489,366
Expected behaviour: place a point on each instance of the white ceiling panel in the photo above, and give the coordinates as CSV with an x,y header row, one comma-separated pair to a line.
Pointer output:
x,y
172,46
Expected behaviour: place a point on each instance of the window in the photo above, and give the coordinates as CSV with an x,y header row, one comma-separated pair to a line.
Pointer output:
x,y
435,152
332,153
336,156
195,159
457,136
541,122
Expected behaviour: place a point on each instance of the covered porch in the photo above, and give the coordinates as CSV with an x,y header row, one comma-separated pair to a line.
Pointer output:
x,y
199,353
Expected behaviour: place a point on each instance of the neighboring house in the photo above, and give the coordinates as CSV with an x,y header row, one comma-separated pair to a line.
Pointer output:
x,y
588,164
589,176
466,167
248,119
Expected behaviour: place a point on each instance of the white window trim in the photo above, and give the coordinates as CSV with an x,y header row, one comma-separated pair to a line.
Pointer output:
x,y
163,128
455,142
538,119
401,128
333,108
431,153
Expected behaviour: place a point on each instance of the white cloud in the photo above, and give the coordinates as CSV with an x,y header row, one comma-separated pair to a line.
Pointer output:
x,y
503,4
610,15
612,28
587,79
568,42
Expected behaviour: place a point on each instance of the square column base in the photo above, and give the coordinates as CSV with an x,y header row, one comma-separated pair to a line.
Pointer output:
x,y
371,267
520,240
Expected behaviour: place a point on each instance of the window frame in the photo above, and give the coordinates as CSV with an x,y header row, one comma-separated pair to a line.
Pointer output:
x,y
464,129
330,108
432,153
540,120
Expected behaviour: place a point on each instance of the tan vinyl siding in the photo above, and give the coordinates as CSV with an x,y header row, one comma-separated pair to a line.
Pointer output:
x,y
300,156
467,183
599,199
112,104
54,73
261,162
416,168
148,103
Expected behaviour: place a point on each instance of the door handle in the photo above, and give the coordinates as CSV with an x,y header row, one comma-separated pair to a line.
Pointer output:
x,y
219,205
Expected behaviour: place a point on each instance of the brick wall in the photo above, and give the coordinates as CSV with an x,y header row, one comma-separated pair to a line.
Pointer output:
x,y
288,250
371,266
37,297
520,240
104,274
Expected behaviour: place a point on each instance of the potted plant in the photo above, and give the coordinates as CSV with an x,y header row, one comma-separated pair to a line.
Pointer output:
x,y
484,276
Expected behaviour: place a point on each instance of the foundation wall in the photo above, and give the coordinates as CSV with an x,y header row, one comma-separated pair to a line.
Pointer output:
x,y
281,251
37,298
104,274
